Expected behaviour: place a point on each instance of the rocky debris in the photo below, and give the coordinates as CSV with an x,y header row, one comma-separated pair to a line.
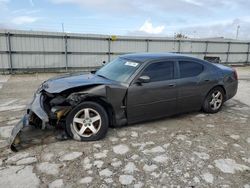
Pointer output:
x,y
181,151
166,145
18,176
116,164
196,179
202,155
98,163
157,149
200,115
97,145
86,180
5,132
209,178
70,156
86,163
48,168
13,159
150,132
56,184
149,168
12,108
13,122
27,161
100,155
161,158
109,180
130,168
121,133
134,134
248,140
47,157
106,172
210,126
138,185
234,136
126,179
120,149
229,166
3,144
181,137
113,139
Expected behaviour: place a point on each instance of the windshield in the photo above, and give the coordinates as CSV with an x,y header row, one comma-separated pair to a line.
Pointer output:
x,y
119,70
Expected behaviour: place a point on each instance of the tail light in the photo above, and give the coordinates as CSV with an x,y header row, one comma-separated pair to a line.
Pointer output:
x,y
235,74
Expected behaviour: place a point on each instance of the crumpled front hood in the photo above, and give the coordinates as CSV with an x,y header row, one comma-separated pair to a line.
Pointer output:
x,y
62,83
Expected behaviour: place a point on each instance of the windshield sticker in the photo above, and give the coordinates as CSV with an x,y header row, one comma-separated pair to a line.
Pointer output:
x,y
132,64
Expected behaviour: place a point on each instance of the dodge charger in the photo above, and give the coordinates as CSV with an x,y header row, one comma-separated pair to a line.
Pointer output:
x,y
132,88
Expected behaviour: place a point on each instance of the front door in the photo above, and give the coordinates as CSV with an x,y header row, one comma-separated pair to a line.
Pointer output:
x,y
154,99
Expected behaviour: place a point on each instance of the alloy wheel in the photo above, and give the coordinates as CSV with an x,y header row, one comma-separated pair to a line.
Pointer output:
x,y
87,122
216,100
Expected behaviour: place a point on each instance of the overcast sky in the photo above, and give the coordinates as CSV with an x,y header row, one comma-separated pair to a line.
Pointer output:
x,y
194,18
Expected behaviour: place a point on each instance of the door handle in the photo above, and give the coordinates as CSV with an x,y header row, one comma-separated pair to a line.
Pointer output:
x,y
207,80
171,85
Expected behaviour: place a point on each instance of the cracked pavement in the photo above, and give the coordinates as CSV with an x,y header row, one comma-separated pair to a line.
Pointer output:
x,y
188,150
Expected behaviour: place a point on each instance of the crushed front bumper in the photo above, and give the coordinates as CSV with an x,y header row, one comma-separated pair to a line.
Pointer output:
x,y
35,107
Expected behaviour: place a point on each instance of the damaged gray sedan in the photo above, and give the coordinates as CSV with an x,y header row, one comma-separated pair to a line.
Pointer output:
x,y
130,89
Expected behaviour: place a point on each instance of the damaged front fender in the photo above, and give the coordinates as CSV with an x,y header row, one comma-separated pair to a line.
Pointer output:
x,y
113,96
36,107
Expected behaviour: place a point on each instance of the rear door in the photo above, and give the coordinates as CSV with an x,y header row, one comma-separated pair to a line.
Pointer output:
x,y
156,98
190,85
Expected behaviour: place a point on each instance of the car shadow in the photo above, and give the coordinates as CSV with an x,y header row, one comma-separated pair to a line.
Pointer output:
x,y
32,136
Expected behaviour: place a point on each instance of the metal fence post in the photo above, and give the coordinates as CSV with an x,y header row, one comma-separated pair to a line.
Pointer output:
x,y
206,48
228,51
248,53
109,48
179,46
147,47
10,53
66,51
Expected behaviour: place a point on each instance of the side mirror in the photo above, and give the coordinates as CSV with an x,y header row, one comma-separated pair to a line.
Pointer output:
x,y
103,63
144,79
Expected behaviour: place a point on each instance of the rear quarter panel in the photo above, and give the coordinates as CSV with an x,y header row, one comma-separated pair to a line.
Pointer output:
x,y
228,79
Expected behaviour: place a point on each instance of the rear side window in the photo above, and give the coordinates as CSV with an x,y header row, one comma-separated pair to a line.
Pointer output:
x,y
160,71
190,69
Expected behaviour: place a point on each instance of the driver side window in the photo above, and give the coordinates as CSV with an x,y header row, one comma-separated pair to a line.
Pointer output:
x,y
160,71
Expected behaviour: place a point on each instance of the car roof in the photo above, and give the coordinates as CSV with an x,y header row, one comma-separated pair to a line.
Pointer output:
x,y
145,57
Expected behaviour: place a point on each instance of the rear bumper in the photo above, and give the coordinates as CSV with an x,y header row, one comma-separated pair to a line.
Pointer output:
x,y
231,89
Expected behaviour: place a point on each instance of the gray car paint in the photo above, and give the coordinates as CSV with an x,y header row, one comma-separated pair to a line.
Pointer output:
x,y
131,102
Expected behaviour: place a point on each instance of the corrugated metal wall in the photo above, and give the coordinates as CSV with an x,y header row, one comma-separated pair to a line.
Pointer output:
x,y
41,51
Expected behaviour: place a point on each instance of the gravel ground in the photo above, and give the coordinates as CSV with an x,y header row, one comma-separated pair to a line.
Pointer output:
x,y
189,150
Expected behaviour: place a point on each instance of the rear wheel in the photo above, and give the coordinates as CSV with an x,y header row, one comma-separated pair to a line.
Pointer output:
x,y
214,100
87,122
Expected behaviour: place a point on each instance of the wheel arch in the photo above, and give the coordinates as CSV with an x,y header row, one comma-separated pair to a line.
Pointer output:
x,y
220,86
105,104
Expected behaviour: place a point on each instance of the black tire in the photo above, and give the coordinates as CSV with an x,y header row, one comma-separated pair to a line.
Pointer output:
x,y
207,107
71,126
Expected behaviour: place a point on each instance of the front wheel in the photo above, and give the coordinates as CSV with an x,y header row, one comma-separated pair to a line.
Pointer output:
x,y
88,121
214,100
